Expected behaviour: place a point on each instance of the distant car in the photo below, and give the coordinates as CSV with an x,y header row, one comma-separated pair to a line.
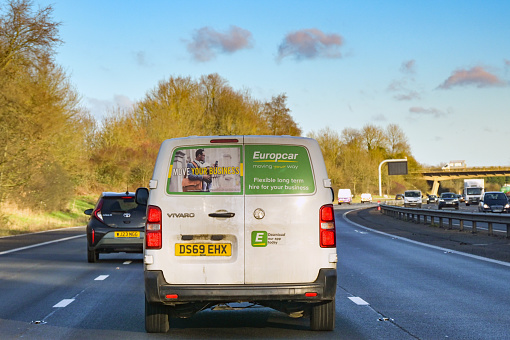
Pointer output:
x,y
116,225
461,198
448,200
431,199
399,197
494,201
366,198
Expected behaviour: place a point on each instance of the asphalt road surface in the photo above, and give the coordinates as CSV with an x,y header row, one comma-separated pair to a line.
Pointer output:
x,y
388,288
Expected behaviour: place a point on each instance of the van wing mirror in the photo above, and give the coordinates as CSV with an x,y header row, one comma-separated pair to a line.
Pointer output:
x,y
142,196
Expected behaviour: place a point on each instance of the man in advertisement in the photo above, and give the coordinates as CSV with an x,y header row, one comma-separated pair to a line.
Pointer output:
x,y
195,181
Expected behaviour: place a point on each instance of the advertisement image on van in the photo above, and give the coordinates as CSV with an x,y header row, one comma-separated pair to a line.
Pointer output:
x,y
270,169
206,170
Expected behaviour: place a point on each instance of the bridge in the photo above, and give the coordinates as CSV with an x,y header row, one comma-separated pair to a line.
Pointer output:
x,y
437,175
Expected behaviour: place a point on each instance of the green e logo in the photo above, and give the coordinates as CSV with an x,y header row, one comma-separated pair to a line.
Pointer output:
x,y
259,238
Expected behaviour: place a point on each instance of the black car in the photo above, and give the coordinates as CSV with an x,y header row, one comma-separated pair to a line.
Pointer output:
x,y
494,201
431,199
448,200
116,225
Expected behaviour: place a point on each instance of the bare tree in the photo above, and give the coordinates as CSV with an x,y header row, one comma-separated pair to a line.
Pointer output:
x,y
373,136
42,127
278,117
397,140
27,38
330,143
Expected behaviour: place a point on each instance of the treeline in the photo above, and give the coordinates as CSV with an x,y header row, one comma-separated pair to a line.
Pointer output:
x,y
125,148
353,157
44,133
52,149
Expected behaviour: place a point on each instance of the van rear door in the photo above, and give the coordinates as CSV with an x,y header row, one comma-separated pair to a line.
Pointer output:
x,y
203,220
282,207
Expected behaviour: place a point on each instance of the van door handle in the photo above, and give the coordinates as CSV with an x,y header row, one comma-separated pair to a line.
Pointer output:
x,y
222,214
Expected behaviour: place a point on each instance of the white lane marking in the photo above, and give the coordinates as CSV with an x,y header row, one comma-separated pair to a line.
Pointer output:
x,y
101,277
63,303
40,244
127,262
359,301
43,231
445,250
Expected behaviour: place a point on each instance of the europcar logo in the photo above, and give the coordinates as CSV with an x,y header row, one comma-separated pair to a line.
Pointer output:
x,y
274,157
259,238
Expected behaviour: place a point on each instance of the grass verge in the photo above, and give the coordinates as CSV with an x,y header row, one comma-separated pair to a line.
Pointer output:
x,y
15,221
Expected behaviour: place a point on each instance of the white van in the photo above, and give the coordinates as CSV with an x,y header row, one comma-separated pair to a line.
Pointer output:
x,y
239,219
344,196
412,198
366,197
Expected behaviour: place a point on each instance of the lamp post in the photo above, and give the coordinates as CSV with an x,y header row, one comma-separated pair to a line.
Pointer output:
x,y
380,166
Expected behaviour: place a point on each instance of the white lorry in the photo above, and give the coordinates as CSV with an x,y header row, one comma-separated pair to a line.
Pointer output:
x,y
473,190
453,165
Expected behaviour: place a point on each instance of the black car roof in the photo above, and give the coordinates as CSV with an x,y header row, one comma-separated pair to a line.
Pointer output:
x,y
117,194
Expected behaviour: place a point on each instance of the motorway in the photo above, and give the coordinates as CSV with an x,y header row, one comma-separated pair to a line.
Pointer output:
x,y
388,288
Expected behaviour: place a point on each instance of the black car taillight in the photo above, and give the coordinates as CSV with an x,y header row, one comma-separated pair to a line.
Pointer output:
x,y
97,211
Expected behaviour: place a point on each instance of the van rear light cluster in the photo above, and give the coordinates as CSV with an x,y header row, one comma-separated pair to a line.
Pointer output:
x,y
153,238
327,233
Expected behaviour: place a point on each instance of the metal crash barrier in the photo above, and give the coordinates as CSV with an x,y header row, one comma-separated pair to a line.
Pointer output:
x,y
430,216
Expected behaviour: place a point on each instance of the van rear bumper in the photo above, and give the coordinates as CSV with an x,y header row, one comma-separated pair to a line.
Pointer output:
x,y
157,290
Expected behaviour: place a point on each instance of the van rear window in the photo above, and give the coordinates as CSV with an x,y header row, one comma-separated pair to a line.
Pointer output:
x,y
278,169
267,169
206,170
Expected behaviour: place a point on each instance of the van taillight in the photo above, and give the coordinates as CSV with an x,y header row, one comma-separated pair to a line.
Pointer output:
x,y
153,228
327,232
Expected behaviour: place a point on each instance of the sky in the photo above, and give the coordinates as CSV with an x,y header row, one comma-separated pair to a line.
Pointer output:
x,y
440,70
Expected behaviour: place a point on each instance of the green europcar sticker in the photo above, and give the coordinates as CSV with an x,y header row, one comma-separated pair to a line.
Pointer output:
x,y
278,169
259,238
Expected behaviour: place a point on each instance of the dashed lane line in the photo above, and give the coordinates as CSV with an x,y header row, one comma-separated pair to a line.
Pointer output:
x,y
101,278
359,301
63,303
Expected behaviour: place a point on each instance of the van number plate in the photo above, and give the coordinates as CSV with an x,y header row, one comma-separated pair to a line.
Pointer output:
x,y
127,234
203,249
